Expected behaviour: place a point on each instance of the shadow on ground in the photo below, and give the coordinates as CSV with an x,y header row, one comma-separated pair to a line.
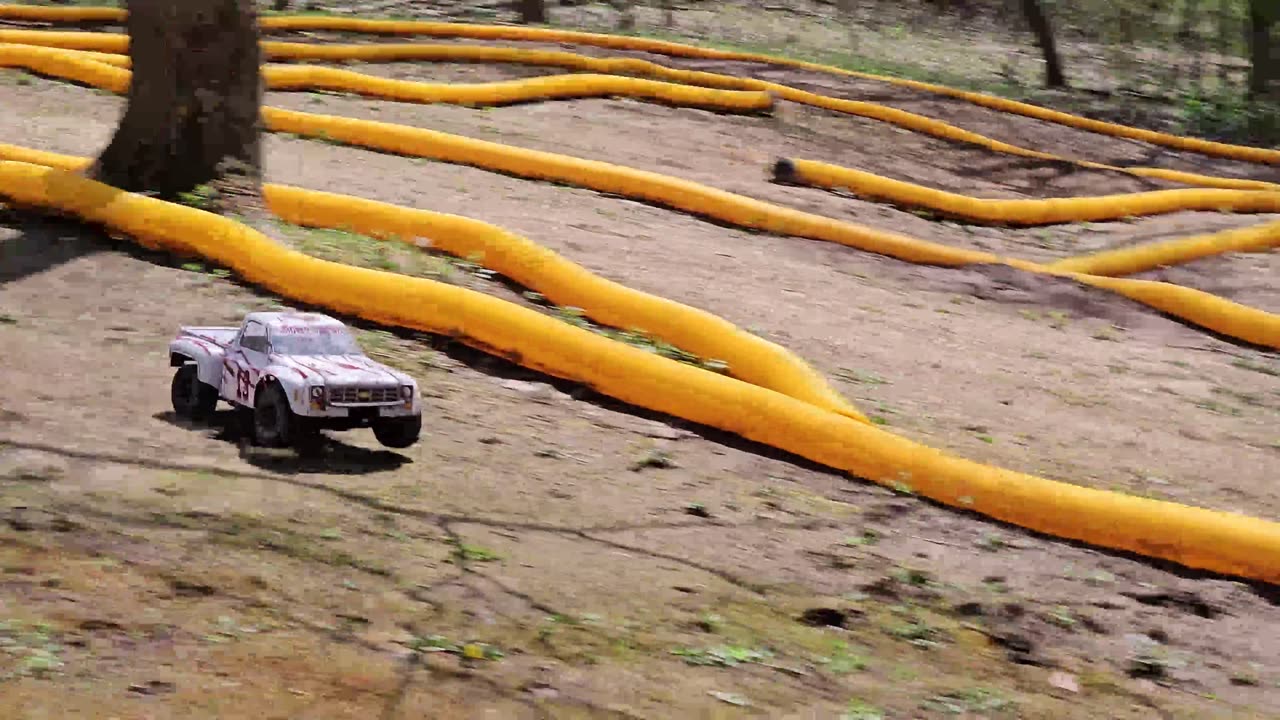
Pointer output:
x,y
329,455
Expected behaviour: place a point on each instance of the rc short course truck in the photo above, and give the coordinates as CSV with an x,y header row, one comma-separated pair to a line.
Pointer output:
x,y
294,374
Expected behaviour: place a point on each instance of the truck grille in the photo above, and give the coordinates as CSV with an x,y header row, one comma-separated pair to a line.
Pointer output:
x,y
363,395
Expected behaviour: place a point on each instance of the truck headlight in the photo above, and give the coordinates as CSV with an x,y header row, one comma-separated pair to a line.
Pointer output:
x,y
406,394
317,397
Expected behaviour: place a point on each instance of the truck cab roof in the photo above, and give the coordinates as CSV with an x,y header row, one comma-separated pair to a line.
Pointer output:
x,y
297,321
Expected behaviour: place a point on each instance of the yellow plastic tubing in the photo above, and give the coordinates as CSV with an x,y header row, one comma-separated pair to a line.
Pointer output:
x,y
631,66
106,42
499,32
34,13
1123,261
1029,211
750,358
497,93
1214,313
1199,538
1129,260
106,72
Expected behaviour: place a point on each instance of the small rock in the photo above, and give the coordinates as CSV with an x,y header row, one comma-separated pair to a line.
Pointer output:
x,y
538,392
969,609
1064,681
665,432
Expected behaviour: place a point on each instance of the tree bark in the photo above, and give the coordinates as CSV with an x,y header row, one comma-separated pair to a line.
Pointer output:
x,y
533,11
1039,22
193,117
1264,60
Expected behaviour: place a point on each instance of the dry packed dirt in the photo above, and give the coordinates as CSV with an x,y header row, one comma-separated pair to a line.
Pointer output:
x,y
544,552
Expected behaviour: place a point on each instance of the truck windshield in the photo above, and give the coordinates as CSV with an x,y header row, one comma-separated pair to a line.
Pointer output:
x,y
315,342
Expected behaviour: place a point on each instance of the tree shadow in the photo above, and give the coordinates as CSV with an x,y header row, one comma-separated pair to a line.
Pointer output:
x,y
328,456
42,243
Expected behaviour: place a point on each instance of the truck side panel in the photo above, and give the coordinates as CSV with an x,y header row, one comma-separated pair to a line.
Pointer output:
x,y
204,351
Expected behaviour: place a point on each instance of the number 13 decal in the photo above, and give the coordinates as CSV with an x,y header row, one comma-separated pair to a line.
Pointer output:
x,y
242,385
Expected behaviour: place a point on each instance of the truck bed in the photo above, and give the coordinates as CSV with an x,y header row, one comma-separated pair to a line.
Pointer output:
x,y
219,336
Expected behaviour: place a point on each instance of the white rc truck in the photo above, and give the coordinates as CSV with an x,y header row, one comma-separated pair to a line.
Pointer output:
x,y
294,374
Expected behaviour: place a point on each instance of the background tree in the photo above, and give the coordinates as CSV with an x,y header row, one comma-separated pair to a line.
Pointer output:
x,y
1039,22
533,11
1264,56
193,109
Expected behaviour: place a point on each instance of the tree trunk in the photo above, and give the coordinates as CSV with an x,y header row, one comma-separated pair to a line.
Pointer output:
x,y
533,11
1039,23
1264,61
194,102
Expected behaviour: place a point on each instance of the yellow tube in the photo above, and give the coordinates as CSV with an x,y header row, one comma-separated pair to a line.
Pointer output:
x,y
1121,261
36,13
692,197
65,64
632,66
1195,537
1164,253
1029,211
894,116
104,71
98,42
499,32
282,77
750,358
1201,308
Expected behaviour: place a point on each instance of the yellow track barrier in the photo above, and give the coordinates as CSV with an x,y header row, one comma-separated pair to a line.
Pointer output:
x,y
675,49
108,74
619,42
1164,253
1122,261
37,13
917,123
1214,313
1023,211
1222,316
750,358
1221,542
500,93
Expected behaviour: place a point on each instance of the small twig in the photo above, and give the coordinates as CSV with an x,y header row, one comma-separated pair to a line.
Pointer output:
x,y
935,542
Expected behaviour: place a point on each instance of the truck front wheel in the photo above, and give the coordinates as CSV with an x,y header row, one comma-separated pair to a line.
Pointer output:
x,y
398,432
273,420
192,399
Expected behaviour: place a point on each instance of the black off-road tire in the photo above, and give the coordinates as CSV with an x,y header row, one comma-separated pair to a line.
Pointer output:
x,y
398,432
274,424
192,399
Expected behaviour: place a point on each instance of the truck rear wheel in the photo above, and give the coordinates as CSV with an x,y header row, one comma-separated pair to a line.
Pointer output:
x,y
192,399
273,420
398,432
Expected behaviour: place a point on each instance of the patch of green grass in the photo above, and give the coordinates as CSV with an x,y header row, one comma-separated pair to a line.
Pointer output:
x,y
636,338
1258,367
723,655
466,650
980,701
28,649
202,197
464,553
859,710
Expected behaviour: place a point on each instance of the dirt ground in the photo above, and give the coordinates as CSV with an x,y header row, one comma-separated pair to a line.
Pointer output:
x,y
152,569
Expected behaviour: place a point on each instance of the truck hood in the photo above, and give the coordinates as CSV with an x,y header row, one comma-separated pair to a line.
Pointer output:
x,y
341,370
